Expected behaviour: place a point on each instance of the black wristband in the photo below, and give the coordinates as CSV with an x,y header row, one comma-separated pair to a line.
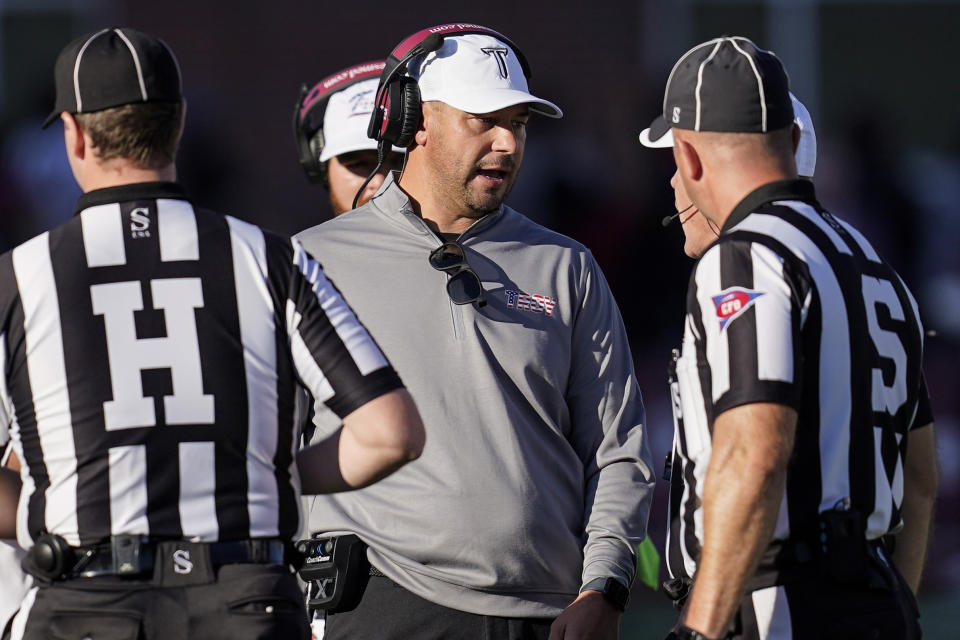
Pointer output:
x,y
683,632
612,591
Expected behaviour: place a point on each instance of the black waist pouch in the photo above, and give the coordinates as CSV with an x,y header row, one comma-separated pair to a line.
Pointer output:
x,y
335,570
843,547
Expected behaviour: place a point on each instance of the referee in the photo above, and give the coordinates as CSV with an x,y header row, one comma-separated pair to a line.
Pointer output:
x,y
150,352
804,436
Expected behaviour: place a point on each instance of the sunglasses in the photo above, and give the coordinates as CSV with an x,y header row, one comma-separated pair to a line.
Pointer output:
x,y
463,285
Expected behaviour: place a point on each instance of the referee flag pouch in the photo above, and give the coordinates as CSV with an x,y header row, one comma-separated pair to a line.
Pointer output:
x,y
843,546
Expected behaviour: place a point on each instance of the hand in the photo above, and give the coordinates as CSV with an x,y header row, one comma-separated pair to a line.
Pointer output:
x,y
589,617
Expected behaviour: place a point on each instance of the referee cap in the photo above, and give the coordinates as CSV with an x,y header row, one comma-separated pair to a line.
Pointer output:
x,y
806,155
476,73
113,67
727,84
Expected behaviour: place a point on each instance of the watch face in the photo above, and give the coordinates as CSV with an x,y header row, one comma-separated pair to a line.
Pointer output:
x,y
612,591
615,593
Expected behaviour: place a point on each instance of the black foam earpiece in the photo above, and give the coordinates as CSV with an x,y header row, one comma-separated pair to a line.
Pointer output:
x,y
403,101
308,147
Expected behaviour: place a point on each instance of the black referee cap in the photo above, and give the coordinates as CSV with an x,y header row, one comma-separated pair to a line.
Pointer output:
x,y
726,84
113,67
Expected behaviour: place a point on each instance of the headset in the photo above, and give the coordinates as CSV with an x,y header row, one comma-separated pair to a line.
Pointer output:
x,y
396,110
309,111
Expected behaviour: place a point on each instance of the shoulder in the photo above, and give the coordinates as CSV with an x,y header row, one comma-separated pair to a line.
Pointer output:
x,y
524,229
741,256
363,219
543,247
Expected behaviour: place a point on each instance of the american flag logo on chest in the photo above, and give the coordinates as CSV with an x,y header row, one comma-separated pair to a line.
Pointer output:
x,y
532,302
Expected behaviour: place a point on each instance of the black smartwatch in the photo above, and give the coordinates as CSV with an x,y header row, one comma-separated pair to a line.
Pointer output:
x,y
612,591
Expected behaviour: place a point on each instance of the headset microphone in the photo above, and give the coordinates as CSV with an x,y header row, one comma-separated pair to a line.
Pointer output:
x,y
666,220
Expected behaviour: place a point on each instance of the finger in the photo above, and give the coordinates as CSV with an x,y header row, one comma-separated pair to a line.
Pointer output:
x,y
557,630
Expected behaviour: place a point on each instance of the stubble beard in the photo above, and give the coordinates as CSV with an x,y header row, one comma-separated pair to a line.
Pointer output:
x,y
480,205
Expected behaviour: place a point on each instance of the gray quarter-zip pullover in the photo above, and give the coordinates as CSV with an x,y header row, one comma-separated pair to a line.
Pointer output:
x,y
536,476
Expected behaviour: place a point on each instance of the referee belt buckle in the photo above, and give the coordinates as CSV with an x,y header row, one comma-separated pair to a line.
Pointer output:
x,y
135,555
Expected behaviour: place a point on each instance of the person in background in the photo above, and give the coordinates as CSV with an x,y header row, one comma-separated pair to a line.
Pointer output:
x,y
330,130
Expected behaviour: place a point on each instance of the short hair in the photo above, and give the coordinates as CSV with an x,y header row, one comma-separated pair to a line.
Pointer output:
x,y
146,133
778,142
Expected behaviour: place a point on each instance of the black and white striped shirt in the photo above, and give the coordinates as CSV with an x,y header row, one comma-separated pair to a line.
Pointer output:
x,y
793,306
151,353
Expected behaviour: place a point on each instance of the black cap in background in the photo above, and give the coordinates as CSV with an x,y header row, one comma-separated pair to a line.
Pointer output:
x,y
113,67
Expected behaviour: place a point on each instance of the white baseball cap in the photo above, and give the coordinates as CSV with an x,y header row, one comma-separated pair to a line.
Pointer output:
x,y
345,120
476,73
806,155
807,149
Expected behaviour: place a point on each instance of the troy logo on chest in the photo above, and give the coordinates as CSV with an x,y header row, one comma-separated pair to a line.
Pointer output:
x,y
534,303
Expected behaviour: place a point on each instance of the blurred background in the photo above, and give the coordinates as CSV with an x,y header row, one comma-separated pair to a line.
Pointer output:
x,y
877,77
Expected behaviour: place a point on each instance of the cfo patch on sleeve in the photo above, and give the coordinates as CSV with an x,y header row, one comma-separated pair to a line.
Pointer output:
x,y
732,302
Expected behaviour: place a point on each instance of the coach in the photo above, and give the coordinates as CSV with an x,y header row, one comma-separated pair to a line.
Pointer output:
x,y
150,354
526,508
804,431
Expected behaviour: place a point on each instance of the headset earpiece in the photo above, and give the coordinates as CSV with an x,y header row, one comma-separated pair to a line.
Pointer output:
x,y
308,148
403,112
410,99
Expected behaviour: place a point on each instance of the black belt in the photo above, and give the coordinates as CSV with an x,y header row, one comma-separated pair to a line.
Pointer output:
x,y
793,559
129,555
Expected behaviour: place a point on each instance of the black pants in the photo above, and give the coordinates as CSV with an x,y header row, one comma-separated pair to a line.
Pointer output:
x,y
387,611
824,610
245,602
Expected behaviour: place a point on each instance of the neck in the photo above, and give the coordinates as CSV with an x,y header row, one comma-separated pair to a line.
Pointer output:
x,y
118,172
731,187
440,213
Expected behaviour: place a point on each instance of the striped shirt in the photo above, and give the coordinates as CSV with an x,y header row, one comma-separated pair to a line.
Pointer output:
x,y
793,306
151,353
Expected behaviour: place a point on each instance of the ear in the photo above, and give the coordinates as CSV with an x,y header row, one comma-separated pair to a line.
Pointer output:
x,y
688,160
426,111
796,137
73,136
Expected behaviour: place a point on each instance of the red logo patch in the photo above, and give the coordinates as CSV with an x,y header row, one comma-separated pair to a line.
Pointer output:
x,y
732,302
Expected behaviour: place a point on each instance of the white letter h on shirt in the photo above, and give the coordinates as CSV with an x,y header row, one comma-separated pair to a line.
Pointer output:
x,y
128,355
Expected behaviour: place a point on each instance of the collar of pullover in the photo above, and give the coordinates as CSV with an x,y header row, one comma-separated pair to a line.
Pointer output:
x,y
393,202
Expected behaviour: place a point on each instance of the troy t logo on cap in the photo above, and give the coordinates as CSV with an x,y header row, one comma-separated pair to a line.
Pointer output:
x,y
500,54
